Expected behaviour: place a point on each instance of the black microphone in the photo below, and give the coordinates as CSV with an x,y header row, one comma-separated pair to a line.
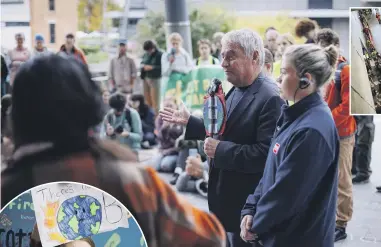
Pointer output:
x,y
214,86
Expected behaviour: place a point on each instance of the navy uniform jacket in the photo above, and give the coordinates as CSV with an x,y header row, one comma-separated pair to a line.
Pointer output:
x,y
241,155
295,202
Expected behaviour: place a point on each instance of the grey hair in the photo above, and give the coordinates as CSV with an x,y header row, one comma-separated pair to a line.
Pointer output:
x,y
312,59
249,41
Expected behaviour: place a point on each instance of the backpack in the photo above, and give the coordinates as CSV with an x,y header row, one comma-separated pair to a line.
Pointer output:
x,y
340,67
128,118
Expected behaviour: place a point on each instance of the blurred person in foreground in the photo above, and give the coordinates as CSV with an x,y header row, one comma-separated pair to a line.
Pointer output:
x,y
295,202
122,71
40,49
57,99
337,94
69,49
307,29
237,158
151,74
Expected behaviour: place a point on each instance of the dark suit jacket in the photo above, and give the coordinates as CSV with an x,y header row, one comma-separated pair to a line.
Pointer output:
x,y
241,155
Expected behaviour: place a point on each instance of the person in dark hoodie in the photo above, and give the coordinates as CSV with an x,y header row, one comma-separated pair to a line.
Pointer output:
x,y
147,115
295,201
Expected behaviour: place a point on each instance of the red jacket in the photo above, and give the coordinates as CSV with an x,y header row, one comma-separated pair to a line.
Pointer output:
x,y
77,53
345,123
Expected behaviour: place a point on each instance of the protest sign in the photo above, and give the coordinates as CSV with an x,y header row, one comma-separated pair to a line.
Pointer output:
x,y
17,220
68,211
192,87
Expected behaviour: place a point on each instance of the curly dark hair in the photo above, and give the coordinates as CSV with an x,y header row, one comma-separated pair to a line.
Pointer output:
x,y
327,37
305,26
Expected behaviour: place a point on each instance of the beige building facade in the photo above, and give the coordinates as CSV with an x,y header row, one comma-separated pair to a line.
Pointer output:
x,y
53,19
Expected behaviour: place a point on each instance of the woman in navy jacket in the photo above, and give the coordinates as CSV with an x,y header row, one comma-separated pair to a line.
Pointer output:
x,y
295,202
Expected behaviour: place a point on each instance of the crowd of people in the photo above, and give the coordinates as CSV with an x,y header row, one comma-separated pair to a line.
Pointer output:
x,y
289,143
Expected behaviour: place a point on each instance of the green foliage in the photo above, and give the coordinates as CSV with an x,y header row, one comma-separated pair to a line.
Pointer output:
x,y
204,24
98,57
90,16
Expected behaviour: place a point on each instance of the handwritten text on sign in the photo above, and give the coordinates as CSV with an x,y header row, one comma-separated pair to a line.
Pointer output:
x,y
66,212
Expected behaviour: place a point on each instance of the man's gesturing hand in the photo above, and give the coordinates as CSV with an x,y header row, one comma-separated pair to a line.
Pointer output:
x,y
180,116
210,146
246,224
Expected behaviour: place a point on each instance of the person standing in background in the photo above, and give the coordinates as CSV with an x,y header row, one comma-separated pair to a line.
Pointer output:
x,y
40,49
122,71
4,75
268,66
205,58
271,36
307,29
177,59
362,154
217,37
337,97
69,49
17,56
151,74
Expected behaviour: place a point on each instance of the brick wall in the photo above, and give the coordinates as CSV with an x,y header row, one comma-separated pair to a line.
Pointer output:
x,y
65,18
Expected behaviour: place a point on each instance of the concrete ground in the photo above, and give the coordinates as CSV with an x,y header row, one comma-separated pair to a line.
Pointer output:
x,y
364,230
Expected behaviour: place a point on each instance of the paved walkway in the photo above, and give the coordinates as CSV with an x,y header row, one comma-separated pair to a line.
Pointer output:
x,y
365,228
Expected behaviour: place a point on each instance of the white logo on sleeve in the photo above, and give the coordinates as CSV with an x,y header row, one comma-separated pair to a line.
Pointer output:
x,y
276,148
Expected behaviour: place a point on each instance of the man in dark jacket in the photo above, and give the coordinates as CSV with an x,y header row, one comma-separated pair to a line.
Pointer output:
x,y
151,74
238,157
4,75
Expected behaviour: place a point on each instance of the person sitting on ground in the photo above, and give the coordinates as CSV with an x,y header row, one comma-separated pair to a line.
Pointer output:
x,y
57,99
147,116
195,176
167,136
184,148
307,29
205,58
122,123
69,49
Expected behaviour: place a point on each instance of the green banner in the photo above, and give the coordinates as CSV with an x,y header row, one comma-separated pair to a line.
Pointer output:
x,y
192,87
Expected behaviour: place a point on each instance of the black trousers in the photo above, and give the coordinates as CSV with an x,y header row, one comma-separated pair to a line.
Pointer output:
x,y
234,240
362,153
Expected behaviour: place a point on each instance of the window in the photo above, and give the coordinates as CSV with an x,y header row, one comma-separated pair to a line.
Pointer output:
x,y
52,5
11,1
320,4
52,31
133,21
16,24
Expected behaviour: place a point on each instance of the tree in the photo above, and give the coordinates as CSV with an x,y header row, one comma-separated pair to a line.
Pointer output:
x,y
90,14
204,24
282,23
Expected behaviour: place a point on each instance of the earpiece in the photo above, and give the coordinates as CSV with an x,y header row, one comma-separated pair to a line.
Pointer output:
x,y
304,83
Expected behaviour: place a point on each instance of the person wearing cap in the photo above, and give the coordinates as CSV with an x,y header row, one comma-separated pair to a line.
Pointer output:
x,y
40,49
122,71
69,49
